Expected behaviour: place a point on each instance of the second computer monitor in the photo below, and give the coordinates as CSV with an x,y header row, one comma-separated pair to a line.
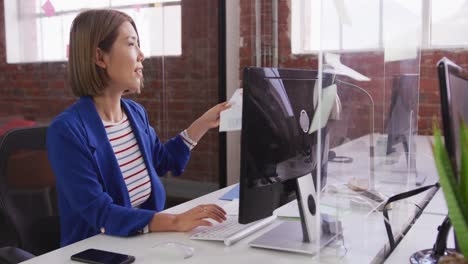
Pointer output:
x,y
402,124
278,143
453,82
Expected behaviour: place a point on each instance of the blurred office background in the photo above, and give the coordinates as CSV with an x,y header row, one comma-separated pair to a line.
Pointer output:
x,y
196,49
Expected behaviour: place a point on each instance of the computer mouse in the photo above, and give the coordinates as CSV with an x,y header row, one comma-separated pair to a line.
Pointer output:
x,y
170,250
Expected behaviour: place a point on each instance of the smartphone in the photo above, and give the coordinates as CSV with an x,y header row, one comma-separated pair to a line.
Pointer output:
x,y
97,256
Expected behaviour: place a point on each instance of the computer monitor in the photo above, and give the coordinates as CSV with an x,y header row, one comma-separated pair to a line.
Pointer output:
x,y
453,82
453,85
402,120
279,145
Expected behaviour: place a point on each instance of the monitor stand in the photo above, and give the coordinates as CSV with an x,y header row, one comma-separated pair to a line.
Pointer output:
x,y
400,173
298,236
409,146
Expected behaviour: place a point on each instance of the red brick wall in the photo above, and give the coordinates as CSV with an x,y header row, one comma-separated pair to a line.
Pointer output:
x,y
178,89
38,91
429,101
370,64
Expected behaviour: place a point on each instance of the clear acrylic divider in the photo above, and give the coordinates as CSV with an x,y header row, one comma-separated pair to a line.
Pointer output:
x,y
372,127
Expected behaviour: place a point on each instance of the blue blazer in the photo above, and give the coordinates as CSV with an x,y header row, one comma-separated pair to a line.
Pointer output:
x,y
92,195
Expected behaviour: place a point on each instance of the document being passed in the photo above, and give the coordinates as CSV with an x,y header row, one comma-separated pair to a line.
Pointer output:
x,y
231,119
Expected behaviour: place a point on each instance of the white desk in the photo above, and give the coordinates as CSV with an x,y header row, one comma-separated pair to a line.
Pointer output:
x,y
365,238
404,211
424,232
421,236
437,205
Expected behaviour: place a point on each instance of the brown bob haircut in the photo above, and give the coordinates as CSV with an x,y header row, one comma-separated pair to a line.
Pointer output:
x,y
92,29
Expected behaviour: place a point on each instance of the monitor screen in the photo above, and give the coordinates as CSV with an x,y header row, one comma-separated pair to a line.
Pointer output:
x,y
276,146
453,82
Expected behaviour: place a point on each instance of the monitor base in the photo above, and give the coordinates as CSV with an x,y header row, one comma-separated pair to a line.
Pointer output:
x,y
288,236
426,256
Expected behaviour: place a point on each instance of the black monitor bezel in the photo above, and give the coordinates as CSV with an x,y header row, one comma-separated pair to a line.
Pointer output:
x,y
446,67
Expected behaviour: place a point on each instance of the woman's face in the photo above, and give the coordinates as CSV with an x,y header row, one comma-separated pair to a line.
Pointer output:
x,y
123,62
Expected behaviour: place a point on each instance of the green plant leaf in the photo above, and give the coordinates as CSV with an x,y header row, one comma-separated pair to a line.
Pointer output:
x,y
464,167
451,192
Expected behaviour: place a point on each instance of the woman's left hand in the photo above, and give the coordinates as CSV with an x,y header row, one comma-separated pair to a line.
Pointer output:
x,y
210,119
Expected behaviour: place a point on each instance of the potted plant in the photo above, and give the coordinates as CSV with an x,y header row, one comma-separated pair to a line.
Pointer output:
x,y
455,191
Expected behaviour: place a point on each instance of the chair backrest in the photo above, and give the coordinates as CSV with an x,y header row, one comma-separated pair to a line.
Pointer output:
x,y
28,200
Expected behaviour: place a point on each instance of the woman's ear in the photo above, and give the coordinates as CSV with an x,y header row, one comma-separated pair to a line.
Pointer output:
x,y
99,58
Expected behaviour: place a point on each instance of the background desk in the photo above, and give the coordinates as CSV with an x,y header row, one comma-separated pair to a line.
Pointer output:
x,y
365,238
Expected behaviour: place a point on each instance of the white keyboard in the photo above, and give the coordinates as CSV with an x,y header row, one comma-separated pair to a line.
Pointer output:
x,y
230,231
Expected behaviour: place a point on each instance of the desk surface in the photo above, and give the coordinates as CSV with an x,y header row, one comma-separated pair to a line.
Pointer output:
x,y
421,236
437,205
365,239
424,232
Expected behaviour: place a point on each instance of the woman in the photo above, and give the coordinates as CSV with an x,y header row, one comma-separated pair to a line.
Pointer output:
x,y
105,155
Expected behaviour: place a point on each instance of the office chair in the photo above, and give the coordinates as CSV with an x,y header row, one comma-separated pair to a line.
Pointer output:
x,y
13,255
28,204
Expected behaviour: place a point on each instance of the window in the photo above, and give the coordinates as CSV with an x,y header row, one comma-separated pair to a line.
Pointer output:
x,y
38,30
372,24
449,23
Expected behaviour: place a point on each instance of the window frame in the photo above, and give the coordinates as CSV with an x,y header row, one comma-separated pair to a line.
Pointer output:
x,y
426,37
39,14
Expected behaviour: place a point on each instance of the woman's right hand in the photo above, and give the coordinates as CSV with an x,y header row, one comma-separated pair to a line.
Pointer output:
x,y
196,217
188,220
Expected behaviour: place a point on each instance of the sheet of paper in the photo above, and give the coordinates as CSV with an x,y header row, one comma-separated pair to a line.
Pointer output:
x,y
231,194
231,119
336,67
326,105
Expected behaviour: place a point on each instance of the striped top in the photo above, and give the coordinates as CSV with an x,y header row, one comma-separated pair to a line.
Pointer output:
x,y
130,160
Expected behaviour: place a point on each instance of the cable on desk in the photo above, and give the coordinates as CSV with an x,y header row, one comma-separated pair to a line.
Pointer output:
x,y
398,197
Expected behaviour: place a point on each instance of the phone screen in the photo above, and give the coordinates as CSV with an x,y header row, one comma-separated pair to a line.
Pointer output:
x,y
96,256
